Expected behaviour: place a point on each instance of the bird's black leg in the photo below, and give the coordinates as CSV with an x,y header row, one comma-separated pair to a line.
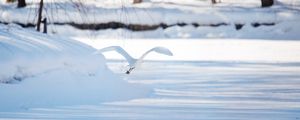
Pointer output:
x,y
130,69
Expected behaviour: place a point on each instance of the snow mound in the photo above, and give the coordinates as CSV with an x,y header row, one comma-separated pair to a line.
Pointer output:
x,y
25,54
38,70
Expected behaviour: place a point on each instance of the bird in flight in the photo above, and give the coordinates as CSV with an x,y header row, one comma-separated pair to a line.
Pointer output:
x,y
132,61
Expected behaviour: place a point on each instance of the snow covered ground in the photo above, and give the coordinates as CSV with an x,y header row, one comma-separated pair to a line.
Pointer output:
x,y
205,79
222,73
281,31
195,90
255,50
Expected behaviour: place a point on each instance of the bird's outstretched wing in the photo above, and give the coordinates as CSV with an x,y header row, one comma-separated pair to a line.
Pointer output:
x,y
121,51
161,50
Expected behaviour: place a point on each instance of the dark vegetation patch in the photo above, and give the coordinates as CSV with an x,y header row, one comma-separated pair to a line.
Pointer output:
x,y
262,24
238,26
140,27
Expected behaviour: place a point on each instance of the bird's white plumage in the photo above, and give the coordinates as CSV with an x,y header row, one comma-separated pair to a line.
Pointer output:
x,y
161,50
121,51
132,61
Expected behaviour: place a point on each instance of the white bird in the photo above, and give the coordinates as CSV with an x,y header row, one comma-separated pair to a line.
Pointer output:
x,y
132,61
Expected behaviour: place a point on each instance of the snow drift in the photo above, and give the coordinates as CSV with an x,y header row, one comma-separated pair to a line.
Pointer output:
x,y
38,70
24,54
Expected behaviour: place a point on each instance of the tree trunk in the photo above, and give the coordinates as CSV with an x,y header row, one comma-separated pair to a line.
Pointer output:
x,y
213,1
40,15
267,3
21,3
137,1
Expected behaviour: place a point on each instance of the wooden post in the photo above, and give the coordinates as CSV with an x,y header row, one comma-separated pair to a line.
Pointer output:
x,y
21,3
267,3
45,25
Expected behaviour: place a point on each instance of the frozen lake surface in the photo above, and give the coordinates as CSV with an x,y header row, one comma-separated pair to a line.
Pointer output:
x,y
210,90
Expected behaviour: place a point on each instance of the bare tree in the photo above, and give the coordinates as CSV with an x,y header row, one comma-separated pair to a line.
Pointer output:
x,y
21,3
267,3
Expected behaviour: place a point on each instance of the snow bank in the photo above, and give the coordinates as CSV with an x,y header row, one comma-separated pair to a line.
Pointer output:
x,y
24,54
281,31
38,70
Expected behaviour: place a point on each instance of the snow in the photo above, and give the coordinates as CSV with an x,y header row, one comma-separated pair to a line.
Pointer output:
x,y
211,90
216,72
23,55
39,70
283,18
163,12
281,31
